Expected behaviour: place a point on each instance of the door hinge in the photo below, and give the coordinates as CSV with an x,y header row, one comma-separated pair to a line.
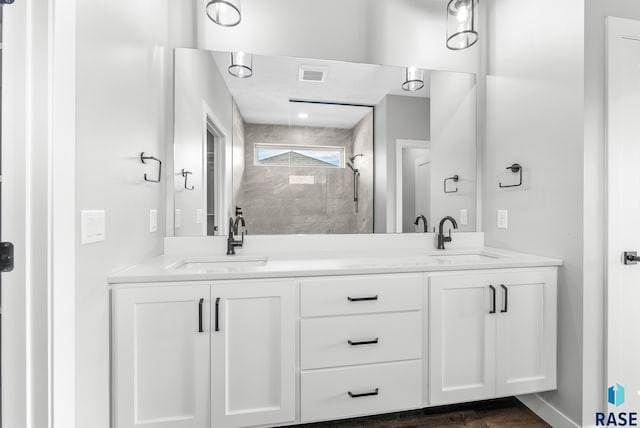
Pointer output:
x,y
6,255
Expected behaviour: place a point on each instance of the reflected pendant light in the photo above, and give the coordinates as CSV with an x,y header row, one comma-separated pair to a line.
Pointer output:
x,y
241,65
462,24
224,12
414,79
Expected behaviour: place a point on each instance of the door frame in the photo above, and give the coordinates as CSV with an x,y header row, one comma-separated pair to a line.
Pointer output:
x,y
402,144
211,123
38,135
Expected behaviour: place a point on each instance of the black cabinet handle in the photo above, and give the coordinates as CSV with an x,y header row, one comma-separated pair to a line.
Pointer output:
x,y
200,328
217,317
363,342
506,298
364,394
493,299
362,299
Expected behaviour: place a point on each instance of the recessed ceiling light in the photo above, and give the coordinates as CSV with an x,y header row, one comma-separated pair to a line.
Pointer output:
x,y
303,115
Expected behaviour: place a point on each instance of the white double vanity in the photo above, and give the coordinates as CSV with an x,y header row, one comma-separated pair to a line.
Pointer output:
x,y
296,329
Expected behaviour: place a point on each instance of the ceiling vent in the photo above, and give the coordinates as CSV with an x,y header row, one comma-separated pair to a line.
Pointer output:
x,y
308,73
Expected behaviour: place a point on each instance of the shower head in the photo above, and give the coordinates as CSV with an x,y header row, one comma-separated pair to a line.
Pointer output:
x,y
352,158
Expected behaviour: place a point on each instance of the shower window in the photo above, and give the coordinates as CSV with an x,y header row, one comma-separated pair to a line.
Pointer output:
x,y
299,156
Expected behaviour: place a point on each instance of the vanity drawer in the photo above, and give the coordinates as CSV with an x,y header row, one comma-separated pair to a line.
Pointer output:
x,y
395,336
360,294
382,388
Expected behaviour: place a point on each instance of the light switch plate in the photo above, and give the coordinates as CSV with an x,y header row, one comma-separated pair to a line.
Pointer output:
x,y
464,217
93,225
503,219
177,220
153,221
199,216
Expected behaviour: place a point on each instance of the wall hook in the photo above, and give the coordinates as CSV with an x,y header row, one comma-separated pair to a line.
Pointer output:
x,y
515,168
144,159
455,179
185,174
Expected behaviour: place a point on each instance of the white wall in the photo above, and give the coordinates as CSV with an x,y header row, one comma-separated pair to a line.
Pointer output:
x,y
453,146
413,32
389,32
535,89
199,88
124,85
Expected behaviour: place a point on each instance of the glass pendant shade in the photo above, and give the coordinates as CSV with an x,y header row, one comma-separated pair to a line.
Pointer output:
x,y
224,12
414,79
462,24
241,65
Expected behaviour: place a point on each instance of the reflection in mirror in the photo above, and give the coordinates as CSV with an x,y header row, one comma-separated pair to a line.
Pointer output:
x,y
310,146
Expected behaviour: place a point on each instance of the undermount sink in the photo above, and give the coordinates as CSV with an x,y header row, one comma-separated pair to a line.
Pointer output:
x,y
220,263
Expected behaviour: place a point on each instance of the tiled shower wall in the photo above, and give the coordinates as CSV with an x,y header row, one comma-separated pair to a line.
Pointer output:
x,y
273,206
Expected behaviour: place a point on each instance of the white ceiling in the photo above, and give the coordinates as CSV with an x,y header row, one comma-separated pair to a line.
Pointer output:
x,y
264,98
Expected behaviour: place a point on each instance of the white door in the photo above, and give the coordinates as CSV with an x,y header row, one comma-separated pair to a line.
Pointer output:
x,y
253,340
462,338
526,338
623,234
423,189
161,356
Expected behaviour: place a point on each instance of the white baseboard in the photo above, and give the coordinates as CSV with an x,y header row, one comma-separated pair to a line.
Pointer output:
x,y
547,412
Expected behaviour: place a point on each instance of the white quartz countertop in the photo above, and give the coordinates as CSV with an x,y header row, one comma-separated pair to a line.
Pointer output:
x,y
176,267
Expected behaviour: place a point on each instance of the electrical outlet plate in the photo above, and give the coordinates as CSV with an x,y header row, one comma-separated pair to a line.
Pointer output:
x,y
153,221
503,219
93,225
464,217
178,219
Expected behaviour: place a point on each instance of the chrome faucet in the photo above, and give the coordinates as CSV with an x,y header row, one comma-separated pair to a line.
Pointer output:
x,y
232,242
424,219
441,238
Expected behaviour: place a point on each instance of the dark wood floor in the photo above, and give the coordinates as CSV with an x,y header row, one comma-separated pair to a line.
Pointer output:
x,y
502,413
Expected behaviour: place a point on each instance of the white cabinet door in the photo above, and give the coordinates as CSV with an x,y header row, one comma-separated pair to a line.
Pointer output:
x,y
161,357
462,339
526,356
253,343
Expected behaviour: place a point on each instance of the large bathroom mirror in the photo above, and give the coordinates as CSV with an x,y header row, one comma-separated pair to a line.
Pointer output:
x,y
305,146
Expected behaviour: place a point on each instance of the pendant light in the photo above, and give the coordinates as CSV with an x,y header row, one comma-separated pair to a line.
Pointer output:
x,y
224,12
414,79
462,24
241,65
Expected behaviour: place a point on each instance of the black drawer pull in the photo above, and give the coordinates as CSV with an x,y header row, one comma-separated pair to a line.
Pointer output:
x,y
362,299
506,298
200,328
363,342
364,394
493,299
217,318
